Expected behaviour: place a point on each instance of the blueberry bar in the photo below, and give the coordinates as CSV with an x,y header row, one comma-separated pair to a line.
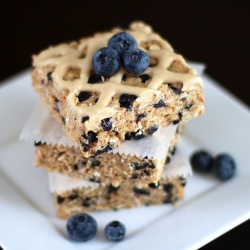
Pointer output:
x,y
115,86
73,195
140,161
107,168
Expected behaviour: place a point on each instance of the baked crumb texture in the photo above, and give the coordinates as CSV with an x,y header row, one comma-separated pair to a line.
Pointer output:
x,y
82,200
106,168
98,113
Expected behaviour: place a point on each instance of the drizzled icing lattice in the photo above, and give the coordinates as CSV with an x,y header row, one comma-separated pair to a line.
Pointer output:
x,y
78,56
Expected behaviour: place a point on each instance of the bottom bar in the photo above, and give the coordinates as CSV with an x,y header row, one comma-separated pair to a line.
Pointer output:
x,y
73,195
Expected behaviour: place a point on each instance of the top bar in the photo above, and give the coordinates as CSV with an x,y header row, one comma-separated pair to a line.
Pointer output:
x,y
99,111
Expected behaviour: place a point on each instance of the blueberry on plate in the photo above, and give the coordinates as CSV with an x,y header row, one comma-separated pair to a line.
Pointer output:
x,y
135,61
115,231
201,161
106,62
122,42
224,166
81,227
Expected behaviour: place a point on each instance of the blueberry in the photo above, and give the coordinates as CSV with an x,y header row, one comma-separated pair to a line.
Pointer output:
x,y
168,188
189,106
140,116
104,150
81,227
88,138
160,104
174,89
106,124
63,120
168,160
224,166
149,165
201,161
154,185
106,62
136,166
83,96
91,136
152,129
60,199
173,150
183,181
176,122
56,100
144,78
86,202
135,176
141,191
111,189
85,118
115,231
57,109
49,77
124,77
138,134
135,61
84,162
126,101
122,42
128,136
73,197
95,179
95,163
38,143
94,79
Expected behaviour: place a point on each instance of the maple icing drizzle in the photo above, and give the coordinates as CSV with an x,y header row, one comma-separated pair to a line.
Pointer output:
x,y
64,57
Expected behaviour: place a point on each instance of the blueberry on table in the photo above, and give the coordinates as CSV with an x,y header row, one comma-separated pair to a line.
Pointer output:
x,y
122,42
115,231
106,62
135,61
224,166
201,161
81,227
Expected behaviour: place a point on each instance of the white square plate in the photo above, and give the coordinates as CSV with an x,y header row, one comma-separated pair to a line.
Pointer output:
x,y
210,208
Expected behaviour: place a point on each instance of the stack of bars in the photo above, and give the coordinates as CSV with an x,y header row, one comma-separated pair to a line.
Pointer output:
x,y
110,142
